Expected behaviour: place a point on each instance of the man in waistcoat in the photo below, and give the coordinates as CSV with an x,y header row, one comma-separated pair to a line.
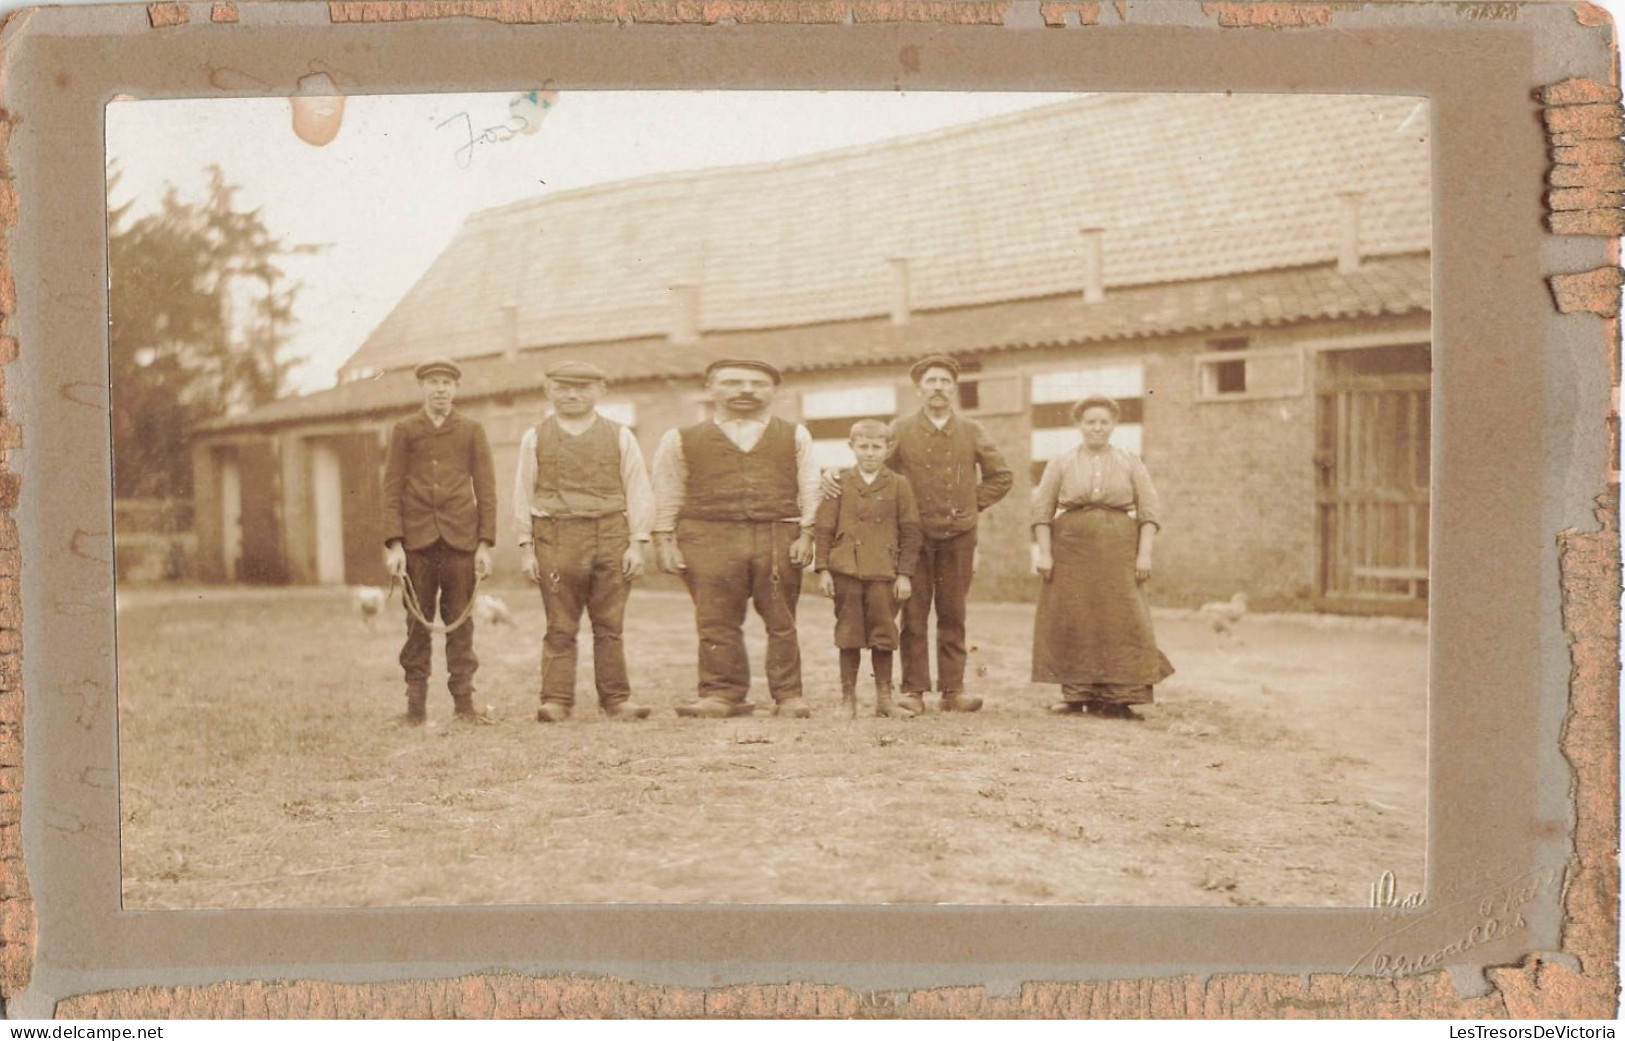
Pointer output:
x,y
736,496
440,509
956,472
582,507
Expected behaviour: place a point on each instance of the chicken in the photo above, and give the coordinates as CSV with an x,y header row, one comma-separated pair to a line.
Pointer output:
x,y
1225,615
369,602
490,610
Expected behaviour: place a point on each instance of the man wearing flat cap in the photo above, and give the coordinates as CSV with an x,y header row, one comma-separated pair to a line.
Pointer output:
x,y
583,507
736,496
956,472
440,510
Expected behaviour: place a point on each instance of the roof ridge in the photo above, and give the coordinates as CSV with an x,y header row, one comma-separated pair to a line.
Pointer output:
x,y
703,173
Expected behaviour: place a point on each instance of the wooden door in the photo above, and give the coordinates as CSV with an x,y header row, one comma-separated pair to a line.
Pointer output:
x,y
262,559
231,516
361,465
1375,436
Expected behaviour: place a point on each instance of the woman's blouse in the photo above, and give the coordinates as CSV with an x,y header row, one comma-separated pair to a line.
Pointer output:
x,y
1113,479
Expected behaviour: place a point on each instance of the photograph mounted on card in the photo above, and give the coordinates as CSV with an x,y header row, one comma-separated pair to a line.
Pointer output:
x,y
1062,496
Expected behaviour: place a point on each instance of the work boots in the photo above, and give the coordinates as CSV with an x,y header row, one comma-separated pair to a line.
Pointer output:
x,y
416,713
464,712
883,705
849,700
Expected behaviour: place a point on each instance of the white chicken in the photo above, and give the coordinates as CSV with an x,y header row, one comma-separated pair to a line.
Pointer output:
x,y
1225,615
369,603
491,610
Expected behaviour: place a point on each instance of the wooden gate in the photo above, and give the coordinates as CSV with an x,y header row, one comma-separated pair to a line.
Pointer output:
x,y
1374,468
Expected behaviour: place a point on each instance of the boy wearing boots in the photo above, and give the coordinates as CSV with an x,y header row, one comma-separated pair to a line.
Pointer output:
x,y
867,542
440,508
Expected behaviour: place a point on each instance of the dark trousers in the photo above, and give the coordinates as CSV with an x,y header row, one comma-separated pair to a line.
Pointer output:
x,y
579,559
732,564
942,577
865,613
443,579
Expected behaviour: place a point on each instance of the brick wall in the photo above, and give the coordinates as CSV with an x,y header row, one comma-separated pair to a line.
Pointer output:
x,y
1237,477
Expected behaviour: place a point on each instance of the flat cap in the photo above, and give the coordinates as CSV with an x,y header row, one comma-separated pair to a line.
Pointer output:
x,y
439,367
577,372
743,363
916,372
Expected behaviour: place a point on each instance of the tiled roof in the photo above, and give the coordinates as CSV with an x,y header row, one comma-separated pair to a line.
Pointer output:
x,y
1185,187
1384,287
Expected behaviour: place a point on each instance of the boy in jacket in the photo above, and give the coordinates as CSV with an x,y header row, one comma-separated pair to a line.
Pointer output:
x,y
867,541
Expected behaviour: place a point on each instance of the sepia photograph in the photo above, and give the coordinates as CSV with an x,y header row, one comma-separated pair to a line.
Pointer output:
x,y
771,497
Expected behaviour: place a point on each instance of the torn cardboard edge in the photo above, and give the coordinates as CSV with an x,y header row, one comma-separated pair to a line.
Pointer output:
x,y
1535,989
1583,129
18,928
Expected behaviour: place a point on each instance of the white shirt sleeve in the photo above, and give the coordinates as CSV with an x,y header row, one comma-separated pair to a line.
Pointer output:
x,y
524,482
640,498
808,479
670,479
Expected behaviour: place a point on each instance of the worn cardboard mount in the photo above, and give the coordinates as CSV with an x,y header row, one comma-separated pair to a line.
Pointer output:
x,y
1524,630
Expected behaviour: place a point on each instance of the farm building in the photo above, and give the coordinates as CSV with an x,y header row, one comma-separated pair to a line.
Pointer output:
x,y
1248,275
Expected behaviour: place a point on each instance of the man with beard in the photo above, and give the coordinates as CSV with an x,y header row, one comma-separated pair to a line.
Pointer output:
x,y
440,510
736,497
956,472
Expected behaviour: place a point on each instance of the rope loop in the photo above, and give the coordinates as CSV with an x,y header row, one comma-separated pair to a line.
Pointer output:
x,y
409,597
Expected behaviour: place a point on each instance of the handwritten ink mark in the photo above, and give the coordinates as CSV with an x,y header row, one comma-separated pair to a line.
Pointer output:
x,y
494,134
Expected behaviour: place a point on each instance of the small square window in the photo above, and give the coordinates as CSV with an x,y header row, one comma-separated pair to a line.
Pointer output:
x,y
1230,377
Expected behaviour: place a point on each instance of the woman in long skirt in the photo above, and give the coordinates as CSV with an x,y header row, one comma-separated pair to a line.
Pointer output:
x,y
1095,519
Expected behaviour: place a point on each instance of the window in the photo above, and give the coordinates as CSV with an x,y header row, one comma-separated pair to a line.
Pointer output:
x,y
828,416
1054,394
1230,371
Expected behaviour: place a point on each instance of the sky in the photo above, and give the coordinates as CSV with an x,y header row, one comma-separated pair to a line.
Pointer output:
x,y
386,195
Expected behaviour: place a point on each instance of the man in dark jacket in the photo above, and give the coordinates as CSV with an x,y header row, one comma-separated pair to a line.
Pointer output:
x,y
956,472
439,526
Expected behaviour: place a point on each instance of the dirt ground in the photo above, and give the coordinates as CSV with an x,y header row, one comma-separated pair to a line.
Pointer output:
x,y
259,768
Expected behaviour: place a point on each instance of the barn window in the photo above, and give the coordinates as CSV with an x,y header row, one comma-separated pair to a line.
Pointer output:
x,y
828,416
1054,394
1230,371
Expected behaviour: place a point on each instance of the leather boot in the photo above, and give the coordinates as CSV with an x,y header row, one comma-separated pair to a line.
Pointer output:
x,y
553,712
849,701
416,713
883,705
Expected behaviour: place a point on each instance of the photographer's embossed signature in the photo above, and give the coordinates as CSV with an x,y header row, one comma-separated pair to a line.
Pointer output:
x,y
1497,913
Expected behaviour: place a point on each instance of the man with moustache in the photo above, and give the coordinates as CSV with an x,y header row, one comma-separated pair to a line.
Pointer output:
x,y
956,472
440,508
582,507
736,498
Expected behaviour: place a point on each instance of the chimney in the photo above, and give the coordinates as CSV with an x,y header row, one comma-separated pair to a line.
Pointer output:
x,y
685,312
510,331
900,303
1094,265
1348,239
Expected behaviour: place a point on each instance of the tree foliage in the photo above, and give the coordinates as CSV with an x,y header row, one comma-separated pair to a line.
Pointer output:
x,y
200,312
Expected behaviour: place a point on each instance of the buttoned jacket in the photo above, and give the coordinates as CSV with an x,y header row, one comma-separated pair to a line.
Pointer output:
x,y
956,472
871,530
439,483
